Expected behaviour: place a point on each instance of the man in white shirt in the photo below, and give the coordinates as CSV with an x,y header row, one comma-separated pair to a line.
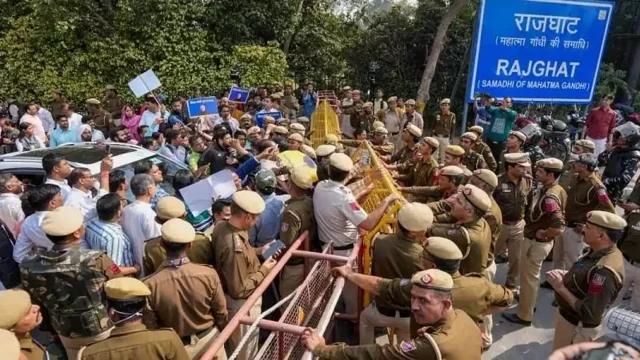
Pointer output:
x,y
153,116
75,119
82,183
45,115
58,170
379,103
138,218
32,118
42,199
10,204
339,216
411,116
226,118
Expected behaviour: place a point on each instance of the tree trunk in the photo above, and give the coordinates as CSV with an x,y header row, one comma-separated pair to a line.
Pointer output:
x,y
634,69
436,49
294,26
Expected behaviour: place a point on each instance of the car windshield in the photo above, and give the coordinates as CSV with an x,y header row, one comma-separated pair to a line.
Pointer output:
x,y
168,168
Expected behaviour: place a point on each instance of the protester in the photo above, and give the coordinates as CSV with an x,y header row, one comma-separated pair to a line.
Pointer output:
x,y
63,133
27,140
131,121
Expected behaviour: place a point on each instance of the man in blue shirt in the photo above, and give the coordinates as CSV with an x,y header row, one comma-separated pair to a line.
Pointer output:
x,y
268,110
502,121
267,228
483,119
62,134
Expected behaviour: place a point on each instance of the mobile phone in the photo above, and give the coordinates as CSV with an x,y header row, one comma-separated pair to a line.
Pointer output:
x,y
274,248
107,149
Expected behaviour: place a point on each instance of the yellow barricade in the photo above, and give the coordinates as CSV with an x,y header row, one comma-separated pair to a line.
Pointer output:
x,y
367,158
324,121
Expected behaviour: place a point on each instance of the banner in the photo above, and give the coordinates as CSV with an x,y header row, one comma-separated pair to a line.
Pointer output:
x,y
262,114
202,106
239,94
539,50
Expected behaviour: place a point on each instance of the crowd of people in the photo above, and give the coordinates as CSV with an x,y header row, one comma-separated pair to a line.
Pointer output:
x,y
111,277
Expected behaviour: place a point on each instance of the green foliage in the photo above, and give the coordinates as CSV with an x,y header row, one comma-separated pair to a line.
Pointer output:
x,y
610,81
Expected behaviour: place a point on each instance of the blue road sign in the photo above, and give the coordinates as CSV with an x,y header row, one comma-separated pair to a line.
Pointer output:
x,y
539,50
202,106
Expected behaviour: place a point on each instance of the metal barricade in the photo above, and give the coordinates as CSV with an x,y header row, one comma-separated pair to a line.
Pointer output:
x,y
324,121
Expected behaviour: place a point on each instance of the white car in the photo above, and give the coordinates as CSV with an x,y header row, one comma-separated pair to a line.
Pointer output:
x,y
27,166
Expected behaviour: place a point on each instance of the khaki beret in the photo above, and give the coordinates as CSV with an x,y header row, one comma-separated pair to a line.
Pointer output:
x,y
415,217
393,98
410,102
14,305
9,344
586,144
170,207
433,279
62,221
178,231
356,92
126,288
341,161
522,137
249,201
550,164
368,104
517,158
445,101
296,137
246,116
308,150
477,197
381,130
451,171
431,141
470,135
442,248
487,176
269,120
454,150
346,88
93,101
297,126
477,129
325,150
376,124
276,96
110,87
606,220
280,130
303,119
253,130
301,177
331,138
414,130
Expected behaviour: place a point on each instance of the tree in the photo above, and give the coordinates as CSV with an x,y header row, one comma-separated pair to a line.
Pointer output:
x,y
436,48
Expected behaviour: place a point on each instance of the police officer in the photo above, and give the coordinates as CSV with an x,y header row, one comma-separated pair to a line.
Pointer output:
x,y
546,221
101,118
297,218
585,291
471,159
621,159
322,159
10,345
449,180
113,103
586,193
579,147
423,173
441,125
126,301
200,252
396,256
483,149
20,316
471,232
69,281
339,216
513,145
403,159
380,142
238,264
512,194
431,304
198,318
453,155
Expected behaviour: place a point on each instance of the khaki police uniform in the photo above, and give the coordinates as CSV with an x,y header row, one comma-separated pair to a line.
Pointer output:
x,y
240,270
454,336
297,218
583,196
396,256
425,169
441,126
436,193
483,149
501,163
134,340
102,119
513,198
547,212
9,345
387,147
473,237
595,280
197,318
471,159
14,306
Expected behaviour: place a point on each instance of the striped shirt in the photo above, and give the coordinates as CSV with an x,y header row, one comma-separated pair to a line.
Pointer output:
x,y
110,238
